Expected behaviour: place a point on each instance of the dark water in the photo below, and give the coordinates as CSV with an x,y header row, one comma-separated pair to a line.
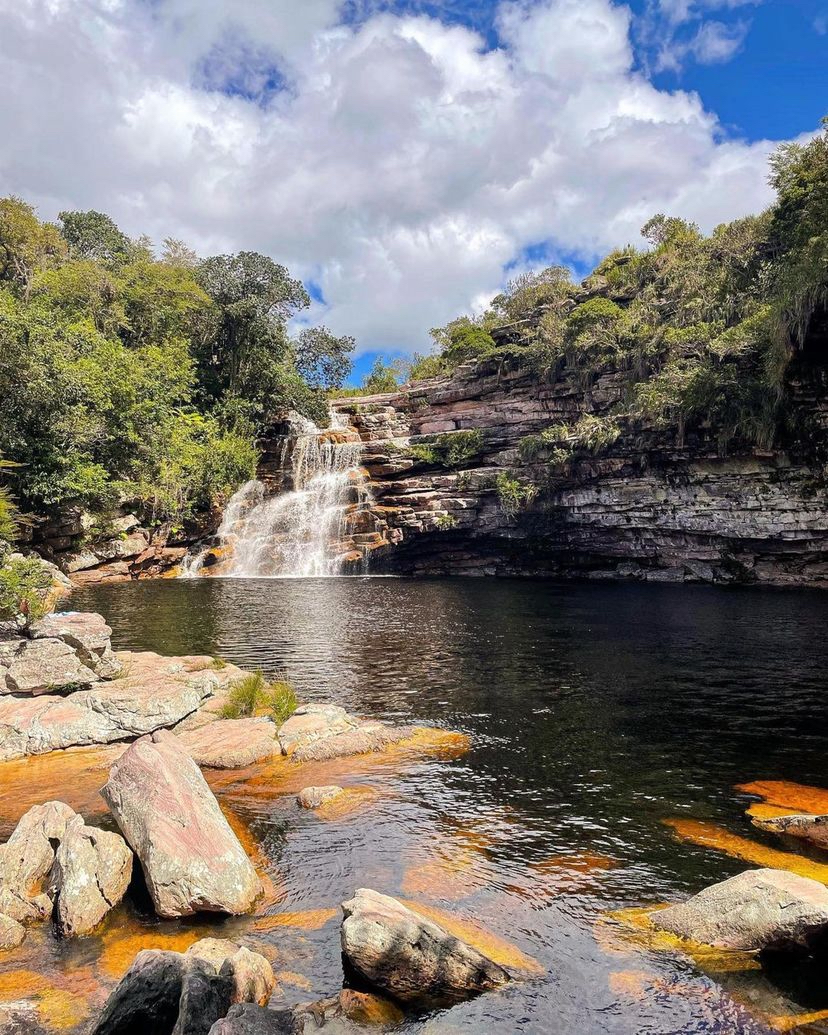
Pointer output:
x,y
595,712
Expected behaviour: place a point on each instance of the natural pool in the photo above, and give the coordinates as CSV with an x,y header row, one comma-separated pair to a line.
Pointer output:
x,y
595,713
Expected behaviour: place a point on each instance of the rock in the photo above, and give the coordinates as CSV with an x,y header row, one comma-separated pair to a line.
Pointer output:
x,y
756,910
12,933
312,798
244,1019
231,743
91,873
810,827
41,667
311,722
253,978
157,692
88,634
350,1011
369,737
409,957
26,861
191,859
166,992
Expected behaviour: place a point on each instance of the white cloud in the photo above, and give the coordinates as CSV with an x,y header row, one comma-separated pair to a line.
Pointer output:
x,y
403,167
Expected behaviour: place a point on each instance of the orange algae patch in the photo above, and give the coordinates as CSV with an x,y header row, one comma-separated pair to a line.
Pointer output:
x,y
795,798
292,978
307,920
788,1022
769,811
369,1009
272,893
448,876
120,947
350,800
714,837
638,927
60,1005
500,950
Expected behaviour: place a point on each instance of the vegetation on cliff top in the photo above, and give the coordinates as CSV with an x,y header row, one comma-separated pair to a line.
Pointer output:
x,y
141,378
702,327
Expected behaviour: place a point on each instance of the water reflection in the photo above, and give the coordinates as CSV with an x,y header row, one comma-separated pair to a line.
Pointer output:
x,y
595,713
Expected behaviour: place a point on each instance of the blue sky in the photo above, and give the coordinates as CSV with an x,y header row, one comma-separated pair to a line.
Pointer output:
x,y
405,158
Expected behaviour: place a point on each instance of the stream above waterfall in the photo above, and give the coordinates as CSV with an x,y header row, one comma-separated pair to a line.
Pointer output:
x,y
596,714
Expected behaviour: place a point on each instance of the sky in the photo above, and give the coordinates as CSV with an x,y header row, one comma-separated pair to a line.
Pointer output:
x,y
405,158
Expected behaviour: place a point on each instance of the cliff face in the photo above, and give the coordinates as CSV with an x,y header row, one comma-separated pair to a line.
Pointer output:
x,y
642,508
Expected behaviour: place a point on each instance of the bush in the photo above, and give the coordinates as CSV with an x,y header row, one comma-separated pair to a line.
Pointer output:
x,y
514,494
450,449
252,695
561,442
445,522
24,588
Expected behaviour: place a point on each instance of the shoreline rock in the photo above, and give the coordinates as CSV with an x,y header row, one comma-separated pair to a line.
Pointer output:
x,y
809,827
191,859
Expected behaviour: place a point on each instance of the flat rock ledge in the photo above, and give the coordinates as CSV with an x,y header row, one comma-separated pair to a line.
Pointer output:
x,y
407,956
54,865
316,732
229,744
153,692
756,910
810,827
191,859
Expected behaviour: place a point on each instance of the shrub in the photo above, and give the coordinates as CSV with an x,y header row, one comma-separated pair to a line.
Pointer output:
x,y
450,449
445,522
560,442
24,587
514,494
252,695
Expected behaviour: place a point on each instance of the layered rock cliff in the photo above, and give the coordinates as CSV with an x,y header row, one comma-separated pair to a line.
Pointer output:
x,y
641,508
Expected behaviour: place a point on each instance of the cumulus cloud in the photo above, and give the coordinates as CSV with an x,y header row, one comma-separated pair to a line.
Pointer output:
x,y
398,162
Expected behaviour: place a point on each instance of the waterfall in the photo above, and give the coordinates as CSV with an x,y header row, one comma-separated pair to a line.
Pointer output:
x,y
300,532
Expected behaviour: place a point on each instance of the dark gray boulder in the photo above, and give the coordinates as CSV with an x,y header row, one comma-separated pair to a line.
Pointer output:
x,y
242,1019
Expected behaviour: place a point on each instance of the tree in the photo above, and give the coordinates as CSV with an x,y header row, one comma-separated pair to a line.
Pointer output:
x,y
26,244
322,358
94,235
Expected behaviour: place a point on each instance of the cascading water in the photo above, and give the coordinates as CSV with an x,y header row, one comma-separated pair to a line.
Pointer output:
x,y
297,533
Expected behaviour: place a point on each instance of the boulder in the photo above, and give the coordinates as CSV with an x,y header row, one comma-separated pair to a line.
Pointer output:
x,y
166,992
87,634
756,910
12,933
406,955
809,827
312,798
91,873
41,667
191,859
231,743
244,1019
26,861
253,978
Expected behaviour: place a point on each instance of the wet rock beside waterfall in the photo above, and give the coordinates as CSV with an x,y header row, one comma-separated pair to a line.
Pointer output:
x,y
410,957
91,873
810,827
313,798
192,860
231,743
26,861
757,910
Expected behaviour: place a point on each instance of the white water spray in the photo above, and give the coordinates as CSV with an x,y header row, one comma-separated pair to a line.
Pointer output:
x,y
298,533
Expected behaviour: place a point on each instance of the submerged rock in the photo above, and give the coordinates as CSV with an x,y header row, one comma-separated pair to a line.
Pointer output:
x,y
410,957
168,992
312,798
91,873
757,910
191,858
810,827
27,858
350,1011
231,743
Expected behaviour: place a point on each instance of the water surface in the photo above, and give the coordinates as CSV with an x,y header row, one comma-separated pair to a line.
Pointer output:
x,y
594,712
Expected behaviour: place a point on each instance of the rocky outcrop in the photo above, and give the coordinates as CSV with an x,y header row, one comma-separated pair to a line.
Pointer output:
x,y
87,634
404,954
26,861
756,910
168,992
648,506
91,873
154,692
192,860
809,827
228,744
